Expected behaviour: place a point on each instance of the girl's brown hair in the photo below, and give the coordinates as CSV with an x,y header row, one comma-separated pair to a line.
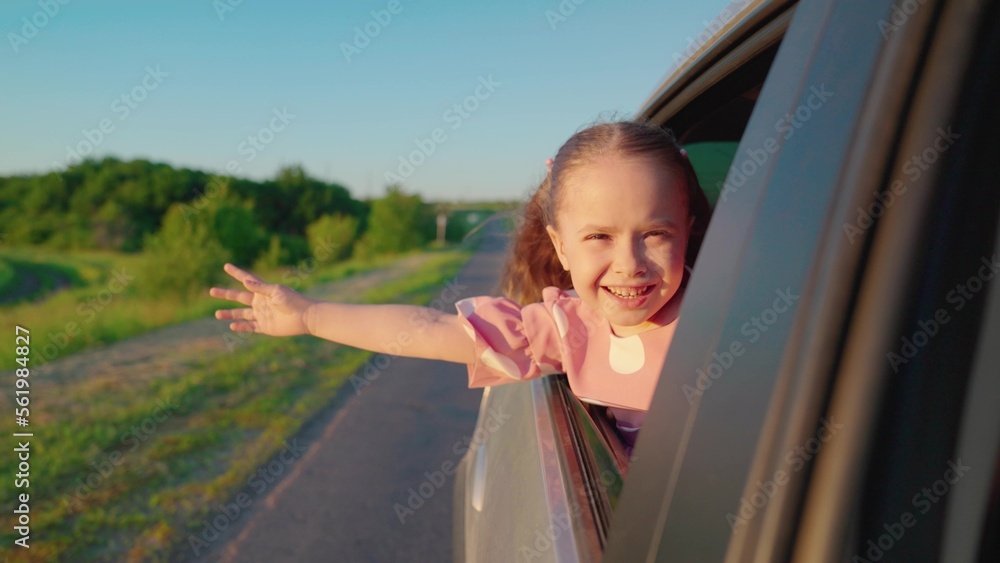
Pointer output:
x,y
532,264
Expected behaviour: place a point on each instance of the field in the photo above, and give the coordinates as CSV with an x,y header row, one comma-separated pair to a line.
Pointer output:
x,y
148,414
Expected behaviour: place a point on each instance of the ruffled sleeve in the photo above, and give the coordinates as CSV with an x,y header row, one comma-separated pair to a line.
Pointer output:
x,y
513,343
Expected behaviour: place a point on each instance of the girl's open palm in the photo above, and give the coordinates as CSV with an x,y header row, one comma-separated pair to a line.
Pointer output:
x,y
274,309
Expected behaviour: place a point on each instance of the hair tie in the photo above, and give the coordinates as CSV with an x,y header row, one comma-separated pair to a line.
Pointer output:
x,y
684,153
548,163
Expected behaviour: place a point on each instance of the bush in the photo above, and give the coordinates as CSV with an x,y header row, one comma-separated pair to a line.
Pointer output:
x,y
283,250
272,258
183,258
398,222
235,227
331,237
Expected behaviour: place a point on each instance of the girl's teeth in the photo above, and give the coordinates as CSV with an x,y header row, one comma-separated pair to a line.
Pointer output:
x,y
626,293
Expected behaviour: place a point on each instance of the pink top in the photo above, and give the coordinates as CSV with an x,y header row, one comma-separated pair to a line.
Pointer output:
x,y
563,335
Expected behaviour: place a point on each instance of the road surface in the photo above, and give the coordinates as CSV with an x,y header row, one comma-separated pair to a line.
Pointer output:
x,y
354,492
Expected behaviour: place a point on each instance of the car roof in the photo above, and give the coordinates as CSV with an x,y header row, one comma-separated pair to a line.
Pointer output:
x,y
738,19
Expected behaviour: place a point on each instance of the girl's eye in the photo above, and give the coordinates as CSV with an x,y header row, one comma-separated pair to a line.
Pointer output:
x,y
662,234
597,236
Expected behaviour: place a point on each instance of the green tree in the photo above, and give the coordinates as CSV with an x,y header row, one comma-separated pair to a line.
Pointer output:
x,y
283,250
113,204
229,219
293,200
183,258
331,237
398,222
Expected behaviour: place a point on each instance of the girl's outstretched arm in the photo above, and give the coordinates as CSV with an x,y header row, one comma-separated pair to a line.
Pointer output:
x,y
404,330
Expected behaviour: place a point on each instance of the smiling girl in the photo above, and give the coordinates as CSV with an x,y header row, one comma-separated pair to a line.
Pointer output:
x,y
593,285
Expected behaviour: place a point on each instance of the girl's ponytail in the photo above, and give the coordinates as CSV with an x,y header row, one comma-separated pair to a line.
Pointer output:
x,y
532,264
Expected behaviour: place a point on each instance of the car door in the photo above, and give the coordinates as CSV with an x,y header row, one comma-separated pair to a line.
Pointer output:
x,y
824,375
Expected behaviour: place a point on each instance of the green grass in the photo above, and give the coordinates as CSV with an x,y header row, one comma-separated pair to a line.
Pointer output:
x,y
231,414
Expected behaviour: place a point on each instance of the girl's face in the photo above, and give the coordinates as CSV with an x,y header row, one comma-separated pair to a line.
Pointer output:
x,y
622,229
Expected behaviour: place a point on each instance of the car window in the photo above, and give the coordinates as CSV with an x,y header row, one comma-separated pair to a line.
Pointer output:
x,y
610,454
711,161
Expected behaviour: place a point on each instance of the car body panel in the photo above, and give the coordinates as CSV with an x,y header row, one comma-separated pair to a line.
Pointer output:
x,y
525,508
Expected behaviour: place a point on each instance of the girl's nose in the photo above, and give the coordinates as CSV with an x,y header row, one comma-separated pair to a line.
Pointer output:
x,y
630,260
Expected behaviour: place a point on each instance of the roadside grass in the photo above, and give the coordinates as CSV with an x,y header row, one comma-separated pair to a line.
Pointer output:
x,y
138,471
105,305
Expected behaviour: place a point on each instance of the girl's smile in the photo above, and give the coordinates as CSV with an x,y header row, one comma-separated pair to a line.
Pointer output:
x,y
630,296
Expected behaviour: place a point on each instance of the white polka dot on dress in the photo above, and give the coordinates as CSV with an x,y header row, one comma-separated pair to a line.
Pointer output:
x,y
627,354
562,323
466,306
500,363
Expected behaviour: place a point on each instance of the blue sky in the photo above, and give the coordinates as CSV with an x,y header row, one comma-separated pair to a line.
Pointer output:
x,y
255,85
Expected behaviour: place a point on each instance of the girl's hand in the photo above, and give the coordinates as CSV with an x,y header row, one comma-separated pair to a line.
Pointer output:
x,y
275,310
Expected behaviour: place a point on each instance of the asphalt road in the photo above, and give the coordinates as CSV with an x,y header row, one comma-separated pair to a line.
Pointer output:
x,y
348,492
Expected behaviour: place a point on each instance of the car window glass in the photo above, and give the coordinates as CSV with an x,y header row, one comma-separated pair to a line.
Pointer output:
x,y
711,162
610,455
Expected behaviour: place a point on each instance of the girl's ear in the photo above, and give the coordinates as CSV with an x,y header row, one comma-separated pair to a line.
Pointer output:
x,y
557,243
